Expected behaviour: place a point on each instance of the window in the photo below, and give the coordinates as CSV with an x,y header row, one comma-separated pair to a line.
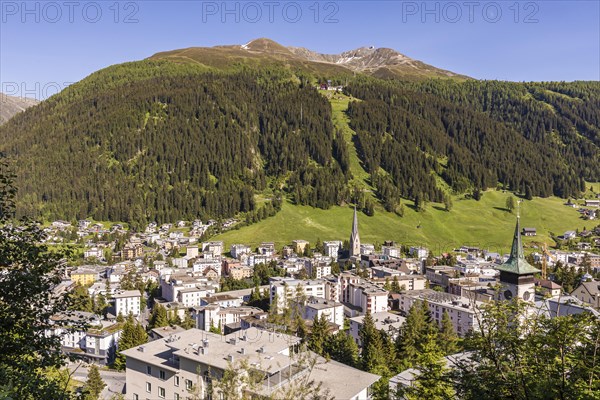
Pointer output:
x,y
176,381
161,392
135,397
161,374
176,396
148,370
188,384
148,387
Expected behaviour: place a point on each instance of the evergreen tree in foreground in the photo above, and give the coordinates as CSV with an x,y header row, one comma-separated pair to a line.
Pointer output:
x,y
28,272
133,334
94,385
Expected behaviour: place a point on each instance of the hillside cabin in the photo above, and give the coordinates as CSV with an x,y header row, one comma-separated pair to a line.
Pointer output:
x,y
529,232
592,203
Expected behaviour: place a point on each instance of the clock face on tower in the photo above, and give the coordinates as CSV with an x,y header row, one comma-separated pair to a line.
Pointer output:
x,y
526,296
508,294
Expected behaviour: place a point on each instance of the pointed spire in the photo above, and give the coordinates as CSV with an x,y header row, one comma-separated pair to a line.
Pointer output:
x,y
516,263
516,250
354,237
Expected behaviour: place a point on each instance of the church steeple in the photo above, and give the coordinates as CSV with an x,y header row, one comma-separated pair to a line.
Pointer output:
x,y
354,237
516,274
516,263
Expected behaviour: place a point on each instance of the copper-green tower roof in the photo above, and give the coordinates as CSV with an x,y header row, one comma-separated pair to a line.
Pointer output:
x,y
516,263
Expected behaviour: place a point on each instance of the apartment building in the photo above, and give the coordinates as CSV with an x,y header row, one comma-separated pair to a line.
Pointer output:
x,y
184,365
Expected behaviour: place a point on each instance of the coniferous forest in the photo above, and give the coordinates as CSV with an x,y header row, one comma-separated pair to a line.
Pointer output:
x,y
162,141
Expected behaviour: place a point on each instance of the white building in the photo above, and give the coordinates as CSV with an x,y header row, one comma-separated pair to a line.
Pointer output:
x,y
391,251
332,248
367,249
237,250
384,321
214,315
286,289
418,252
461,310
96,342
362,295
192,252
127,301
94,252
192,296
169,368
216,248
318,268
316,307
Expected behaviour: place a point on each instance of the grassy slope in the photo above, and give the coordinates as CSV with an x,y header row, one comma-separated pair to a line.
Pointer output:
x,y
484,224
339,106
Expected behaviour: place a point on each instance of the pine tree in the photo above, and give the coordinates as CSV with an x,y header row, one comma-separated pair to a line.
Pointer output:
x,y
80,300
447,338
432,381
387,286
448,203
418,324
510,203
342,348
395,288
133,334
373,357
159,317
318,334
94,384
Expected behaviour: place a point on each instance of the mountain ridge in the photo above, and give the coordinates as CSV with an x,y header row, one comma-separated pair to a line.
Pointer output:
x,y
381,62
11,105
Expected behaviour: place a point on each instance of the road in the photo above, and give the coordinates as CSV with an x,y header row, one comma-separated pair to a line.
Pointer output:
x,y
115,380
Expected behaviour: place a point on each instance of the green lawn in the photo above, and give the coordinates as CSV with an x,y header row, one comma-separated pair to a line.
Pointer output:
x,y
482,223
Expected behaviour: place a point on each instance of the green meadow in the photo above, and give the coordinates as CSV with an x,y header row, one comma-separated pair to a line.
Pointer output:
x,y
485,223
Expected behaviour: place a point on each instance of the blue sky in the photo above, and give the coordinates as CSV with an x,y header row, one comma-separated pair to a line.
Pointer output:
x,y
44,45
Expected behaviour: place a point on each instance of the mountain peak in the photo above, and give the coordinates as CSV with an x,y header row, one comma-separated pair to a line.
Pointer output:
x,y
265,45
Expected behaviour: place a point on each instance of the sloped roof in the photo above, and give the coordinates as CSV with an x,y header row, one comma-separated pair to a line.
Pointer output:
x,y
516,263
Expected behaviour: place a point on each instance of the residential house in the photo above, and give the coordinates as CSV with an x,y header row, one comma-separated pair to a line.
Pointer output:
x,y
588,293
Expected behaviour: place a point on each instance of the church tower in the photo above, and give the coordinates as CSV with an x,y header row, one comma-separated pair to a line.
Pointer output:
x,y
354,238
516,274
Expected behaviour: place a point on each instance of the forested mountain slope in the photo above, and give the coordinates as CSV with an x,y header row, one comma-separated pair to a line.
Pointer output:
x,y
160,141
535,139
167,139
